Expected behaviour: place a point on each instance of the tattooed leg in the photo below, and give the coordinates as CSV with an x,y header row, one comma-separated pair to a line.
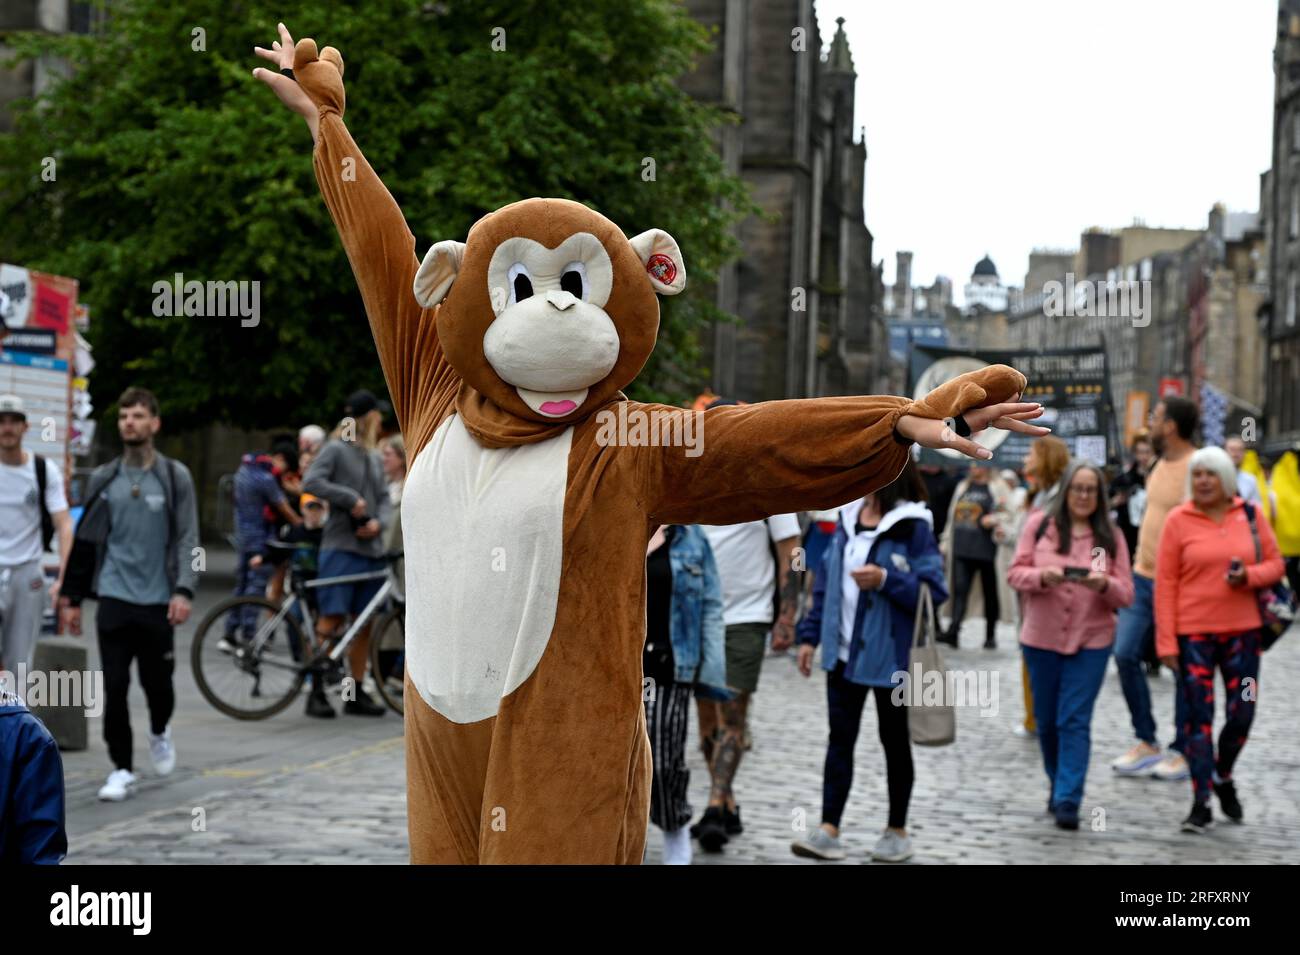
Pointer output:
x,y
707,710
727,753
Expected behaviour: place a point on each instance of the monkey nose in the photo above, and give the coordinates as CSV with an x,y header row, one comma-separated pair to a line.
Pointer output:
x,y
560,298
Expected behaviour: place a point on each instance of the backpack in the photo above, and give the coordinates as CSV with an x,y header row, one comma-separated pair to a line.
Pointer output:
x,y
1277,604
47,522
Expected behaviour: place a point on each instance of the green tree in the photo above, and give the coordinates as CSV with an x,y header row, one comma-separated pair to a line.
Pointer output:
x,y
171,158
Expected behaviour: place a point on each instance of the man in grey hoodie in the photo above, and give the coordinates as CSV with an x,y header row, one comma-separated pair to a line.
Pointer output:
x,y
134,550
349,474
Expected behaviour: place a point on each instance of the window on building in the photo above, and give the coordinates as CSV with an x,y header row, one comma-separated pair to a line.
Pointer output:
x,y
1295,211
1290,300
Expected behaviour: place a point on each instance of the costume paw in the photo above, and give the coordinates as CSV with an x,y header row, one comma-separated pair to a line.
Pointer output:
x,y
986,386
320,76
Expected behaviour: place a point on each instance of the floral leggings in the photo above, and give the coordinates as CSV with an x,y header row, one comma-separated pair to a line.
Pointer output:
x,y
1237,657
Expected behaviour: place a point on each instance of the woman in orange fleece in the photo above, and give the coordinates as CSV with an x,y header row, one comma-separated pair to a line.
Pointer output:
x,y
1209,565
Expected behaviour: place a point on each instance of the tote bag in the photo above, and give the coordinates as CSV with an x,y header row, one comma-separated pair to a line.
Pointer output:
x,y
928,725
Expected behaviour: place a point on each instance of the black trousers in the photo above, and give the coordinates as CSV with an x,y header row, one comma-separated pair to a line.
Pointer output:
x,y
137,632
963,577
844,703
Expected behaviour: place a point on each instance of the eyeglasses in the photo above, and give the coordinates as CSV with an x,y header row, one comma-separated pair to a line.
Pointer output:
x,y
1084,491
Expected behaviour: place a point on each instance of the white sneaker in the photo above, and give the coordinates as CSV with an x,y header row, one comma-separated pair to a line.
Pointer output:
x,y
892,847
163,752
677,846
1138,761
1172,767
120,785
820,845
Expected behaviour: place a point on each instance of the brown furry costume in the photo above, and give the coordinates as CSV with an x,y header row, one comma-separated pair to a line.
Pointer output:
x,y
526,530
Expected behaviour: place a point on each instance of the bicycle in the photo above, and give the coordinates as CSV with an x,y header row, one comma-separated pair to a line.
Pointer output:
x,y
254,678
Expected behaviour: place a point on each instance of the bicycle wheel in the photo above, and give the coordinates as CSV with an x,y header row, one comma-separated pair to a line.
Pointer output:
x,y
388,657
249,680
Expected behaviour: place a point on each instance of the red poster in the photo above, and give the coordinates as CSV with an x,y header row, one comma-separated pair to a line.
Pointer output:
x,y
51,308
1171,386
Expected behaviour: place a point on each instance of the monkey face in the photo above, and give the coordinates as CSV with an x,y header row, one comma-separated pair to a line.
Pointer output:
x,y
549,310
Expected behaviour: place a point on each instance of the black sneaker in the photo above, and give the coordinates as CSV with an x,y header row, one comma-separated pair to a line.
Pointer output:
x,y
1067,816
712,830
947,639
318,706
731,821
990,643
1199,819
1228,801
363,705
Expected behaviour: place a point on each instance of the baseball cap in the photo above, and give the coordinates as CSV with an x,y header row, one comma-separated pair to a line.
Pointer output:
x,y
12,404
363,402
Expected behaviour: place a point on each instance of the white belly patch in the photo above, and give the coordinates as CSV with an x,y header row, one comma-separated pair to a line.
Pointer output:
x,y
483,530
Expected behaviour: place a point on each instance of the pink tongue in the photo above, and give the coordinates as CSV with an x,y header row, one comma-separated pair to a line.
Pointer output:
x,y
558,407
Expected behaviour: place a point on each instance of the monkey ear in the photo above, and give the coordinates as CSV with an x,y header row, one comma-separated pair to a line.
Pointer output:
x,y
662,260
438,271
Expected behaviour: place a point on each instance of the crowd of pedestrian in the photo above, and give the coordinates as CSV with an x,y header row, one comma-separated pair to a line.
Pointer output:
x,y
1157,565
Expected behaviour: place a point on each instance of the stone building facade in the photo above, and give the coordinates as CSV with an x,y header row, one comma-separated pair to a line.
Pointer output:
x,y
1174,308
1280,192
49,16
797,149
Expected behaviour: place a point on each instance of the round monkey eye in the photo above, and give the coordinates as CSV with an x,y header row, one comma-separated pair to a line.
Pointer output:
x,y
571,282
574,280
521,285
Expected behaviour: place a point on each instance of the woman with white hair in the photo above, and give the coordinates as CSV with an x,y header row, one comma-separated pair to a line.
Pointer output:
x,y
1216,551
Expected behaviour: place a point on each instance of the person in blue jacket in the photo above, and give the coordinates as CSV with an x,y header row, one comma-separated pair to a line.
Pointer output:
x,y
684,646
862,616
31,788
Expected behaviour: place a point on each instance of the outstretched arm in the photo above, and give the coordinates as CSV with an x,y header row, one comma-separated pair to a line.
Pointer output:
x,y
375,236
814,453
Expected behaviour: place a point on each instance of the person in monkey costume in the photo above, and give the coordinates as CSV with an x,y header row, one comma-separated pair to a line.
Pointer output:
x,y
526,523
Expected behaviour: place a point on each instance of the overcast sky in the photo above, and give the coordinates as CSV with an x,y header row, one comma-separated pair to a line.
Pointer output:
x,y
1005,125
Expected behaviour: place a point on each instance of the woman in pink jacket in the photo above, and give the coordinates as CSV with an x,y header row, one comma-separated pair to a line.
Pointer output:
x,y
1072,571
1207,615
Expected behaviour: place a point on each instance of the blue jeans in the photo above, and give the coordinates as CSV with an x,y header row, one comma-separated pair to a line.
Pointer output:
x,y
1136,627
1065,689
249,582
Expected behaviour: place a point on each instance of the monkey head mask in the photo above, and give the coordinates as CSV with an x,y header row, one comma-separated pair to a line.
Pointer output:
x,y
547,310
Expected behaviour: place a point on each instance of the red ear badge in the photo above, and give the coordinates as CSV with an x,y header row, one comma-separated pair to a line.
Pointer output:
x,y
662,268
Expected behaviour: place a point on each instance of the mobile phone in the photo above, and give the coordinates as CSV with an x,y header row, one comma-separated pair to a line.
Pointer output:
x,y
1074,573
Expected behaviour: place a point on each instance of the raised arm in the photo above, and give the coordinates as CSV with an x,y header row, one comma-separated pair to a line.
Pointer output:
x,y
379,245
816,453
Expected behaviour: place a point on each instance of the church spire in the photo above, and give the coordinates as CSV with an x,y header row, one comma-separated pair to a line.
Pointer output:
x,y
840,58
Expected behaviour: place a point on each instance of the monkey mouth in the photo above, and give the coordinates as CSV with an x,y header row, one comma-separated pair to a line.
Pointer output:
x,y
553,404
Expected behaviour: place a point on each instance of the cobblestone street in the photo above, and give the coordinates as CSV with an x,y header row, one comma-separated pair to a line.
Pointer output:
x,y
293,790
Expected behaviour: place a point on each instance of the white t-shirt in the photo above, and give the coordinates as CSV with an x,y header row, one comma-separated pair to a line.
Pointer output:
x,y
20,513
746,567
858,549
